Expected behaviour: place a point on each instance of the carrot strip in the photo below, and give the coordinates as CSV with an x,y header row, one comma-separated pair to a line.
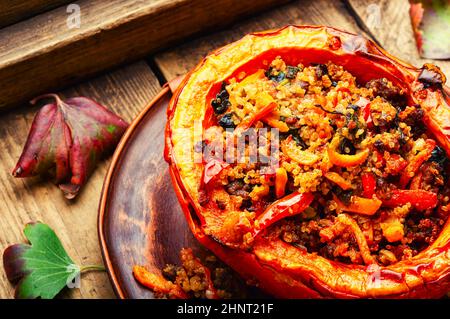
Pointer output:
x,y
288,206
274,121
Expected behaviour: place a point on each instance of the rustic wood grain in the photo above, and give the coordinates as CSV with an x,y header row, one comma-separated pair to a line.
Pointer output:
x,y
126,91
394,32
43,53
12,11
180,59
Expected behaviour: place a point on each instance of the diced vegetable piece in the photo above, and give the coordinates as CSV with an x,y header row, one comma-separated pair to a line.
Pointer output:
x,y
275,122
369,184
393,231
280,182
359,205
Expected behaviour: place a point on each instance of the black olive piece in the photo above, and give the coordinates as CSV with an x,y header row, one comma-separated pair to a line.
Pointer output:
x,y
291,71
334,83
226,121
170,272
270,74
220,104
279,77
402,137
346,147
354,107
321,70
295,136
342,195
379,145
438,156
299,141
431,77
352,118
246,204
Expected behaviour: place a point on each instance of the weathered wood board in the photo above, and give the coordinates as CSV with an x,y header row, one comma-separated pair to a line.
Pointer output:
x,y
52,50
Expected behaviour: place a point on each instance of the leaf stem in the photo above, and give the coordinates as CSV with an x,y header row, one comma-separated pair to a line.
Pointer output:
x,y
88,268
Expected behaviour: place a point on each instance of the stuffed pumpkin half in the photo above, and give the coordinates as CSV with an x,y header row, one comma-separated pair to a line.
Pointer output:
x,y
315,165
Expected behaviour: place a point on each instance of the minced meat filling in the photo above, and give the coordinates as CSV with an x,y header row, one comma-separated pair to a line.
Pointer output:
x,y
378,178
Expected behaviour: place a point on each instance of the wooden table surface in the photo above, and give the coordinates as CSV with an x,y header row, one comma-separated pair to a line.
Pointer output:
x,y
128,89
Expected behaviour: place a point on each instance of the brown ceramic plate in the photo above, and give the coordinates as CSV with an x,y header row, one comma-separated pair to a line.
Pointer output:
x,y
140,220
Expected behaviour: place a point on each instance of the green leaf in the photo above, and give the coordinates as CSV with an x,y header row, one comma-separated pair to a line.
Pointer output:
x,y
42,268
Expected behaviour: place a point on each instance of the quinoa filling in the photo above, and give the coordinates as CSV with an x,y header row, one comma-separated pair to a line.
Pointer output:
x,y
378,178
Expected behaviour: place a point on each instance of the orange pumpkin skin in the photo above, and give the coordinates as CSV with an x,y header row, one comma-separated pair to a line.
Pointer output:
x,y
276,267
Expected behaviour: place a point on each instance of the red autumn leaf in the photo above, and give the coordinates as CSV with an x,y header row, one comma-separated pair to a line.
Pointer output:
x,y
67,139
431,24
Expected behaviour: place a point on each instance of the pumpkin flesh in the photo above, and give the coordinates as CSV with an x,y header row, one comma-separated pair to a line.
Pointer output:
x,y
278,267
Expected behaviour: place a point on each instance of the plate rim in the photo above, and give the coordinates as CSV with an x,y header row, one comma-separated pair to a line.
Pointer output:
x,y
102,216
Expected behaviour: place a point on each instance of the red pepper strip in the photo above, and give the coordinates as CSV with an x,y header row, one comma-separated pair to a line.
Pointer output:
x,y
414,164
419,199
212,168
369,184
288,206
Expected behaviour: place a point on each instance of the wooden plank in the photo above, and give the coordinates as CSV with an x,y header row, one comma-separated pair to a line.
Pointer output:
x,y
180,59
394,31
43,53
126,91
12,11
